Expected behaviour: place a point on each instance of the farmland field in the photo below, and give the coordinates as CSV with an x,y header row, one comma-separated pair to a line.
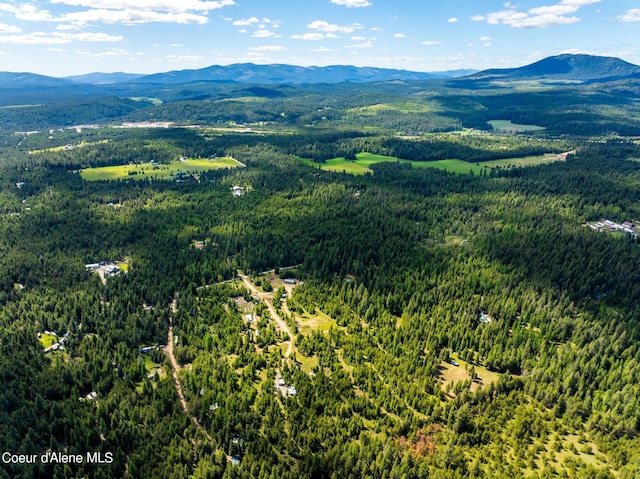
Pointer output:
x,y
363,162
159,172
507,127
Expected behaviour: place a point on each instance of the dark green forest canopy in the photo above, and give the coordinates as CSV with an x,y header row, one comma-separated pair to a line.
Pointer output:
x,y
398,268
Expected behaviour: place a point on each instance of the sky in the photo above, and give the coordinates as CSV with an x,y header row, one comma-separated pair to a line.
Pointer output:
x,y
71,37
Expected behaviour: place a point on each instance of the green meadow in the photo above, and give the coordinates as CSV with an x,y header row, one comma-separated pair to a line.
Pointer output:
x,y
363,162
159,172
507,127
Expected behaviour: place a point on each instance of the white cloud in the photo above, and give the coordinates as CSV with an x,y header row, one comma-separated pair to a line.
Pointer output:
x,y
484,39
118,11
323,26
630,16
89,37
264,34
246,22
131,17
184,58
358,38
400,35
26,12
37,38
352,3
58,38
4,28
431,43
538,17
308,36
367,44
322,50
149,5
268,48
452,20
110,53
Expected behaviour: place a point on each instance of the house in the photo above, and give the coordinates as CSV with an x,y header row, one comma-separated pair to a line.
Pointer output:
x,y
53,347
289,281
485,318
628,224
292,391
237,191
92,266
112,270
20,184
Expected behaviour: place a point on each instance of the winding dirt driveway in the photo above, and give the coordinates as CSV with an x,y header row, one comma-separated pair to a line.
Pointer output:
x,y
175,367
268,300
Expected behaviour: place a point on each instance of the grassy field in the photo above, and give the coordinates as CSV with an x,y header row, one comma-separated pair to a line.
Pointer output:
x,y
363,162
451,374
69,147
318,321
159,172
47,340
508,127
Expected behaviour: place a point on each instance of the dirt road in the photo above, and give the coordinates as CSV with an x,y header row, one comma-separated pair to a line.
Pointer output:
x,y
175,367
268,300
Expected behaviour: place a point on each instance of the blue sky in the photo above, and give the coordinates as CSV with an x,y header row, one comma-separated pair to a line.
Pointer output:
x,y
68,37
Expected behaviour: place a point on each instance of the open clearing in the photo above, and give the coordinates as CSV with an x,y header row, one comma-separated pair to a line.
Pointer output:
x,y
47,340
158,172
82,144
451,374
363,162
505,126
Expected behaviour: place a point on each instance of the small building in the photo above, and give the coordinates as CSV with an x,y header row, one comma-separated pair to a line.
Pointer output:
x,y
53,347
112,270
292,391
237,191
20,184
92,266
628,224
485,318
289,281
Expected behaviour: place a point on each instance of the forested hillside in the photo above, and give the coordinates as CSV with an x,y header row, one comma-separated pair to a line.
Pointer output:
x,y
430,324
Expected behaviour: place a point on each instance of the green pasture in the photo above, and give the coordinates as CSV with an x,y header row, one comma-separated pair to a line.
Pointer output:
x,y
508,127
68,147
47,340
363,162
158,172
399,107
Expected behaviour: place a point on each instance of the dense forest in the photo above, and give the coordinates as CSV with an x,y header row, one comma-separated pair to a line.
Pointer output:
x,y
400,324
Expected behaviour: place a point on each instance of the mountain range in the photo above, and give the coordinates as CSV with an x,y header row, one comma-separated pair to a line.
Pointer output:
x,y
566,67
246,73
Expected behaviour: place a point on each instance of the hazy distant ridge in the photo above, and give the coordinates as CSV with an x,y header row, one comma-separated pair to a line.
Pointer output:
x,y
238,73
562,67
277,73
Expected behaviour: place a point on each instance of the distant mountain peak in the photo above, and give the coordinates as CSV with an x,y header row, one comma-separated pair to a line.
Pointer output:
x,y
576,67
